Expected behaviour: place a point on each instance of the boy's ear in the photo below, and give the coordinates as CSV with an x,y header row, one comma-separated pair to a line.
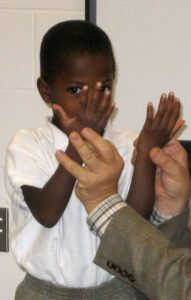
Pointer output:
x,y
44,90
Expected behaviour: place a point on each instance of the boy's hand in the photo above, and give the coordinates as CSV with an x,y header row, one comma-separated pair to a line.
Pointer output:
x,y
179,124
94,111
158,130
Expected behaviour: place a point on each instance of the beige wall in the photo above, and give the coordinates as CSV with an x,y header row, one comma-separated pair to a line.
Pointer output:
x,y
22,24
152,42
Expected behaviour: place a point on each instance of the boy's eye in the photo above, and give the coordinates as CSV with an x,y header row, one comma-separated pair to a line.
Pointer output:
x,y
74,90
105,88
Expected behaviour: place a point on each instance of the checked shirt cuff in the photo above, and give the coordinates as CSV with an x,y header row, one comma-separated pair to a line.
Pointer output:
x,y
100,217
157,218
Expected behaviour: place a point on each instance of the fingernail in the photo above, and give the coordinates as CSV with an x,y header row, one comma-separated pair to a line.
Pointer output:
x,y
59,153
164,96
74,136
85,87
87,131
155,153
98,84
107,93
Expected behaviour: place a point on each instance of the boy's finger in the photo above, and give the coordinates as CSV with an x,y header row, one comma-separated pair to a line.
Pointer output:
x,y
173,116
71,166
61,114
160,110
105,116
93,100
171,113
134,156
84,98
149,116
109,110
136,141
104,102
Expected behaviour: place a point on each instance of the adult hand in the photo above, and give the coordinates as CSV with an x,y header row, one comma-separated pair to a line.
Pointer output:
x,y
172,184
98,179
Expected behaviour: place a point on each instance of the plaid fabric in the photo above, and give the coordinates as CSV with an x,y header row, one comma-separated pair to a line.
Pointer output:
x,y
157,218
100,217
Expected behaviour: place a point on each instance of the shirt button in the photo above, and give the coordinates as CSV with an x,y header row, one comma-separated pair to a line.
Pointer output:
x,y
110,264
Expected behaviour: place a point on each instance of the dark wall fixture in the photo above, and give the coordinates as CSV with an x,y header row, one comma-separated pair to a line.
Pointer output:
x,y
90,11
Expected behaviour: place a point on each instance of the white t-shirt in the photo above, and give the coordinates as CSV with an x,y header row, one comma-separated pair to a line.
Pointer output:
x,y
63,254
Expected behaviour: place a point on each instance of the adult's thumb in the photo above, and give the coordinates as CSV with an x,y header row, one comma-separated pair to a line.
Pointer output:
x,y
164,161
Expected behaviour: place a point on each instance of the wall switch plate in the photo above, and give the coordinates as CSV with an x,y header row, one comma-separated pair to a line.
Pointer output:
x,y
4,229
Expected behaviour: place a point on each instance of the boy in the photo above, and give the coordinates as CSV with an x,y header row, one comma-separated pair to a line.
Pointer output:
x,y
51,241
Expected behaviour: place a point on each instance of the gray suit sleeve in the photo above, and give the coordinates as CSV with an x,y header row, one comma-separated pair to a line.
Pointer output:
x,y
137,252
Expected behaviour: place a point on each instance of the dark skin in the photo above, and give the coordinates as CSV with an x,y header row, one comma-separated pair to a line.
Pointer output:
x,y
156,131
80,96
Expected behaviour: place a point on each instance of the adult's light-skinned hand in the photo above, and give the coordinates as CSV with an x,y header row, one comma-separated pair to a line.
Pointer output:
x,y
98,179
172,185
168,201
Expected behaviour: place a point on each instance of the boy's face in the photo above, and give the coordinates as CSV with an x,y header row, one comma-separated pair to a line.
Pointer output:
x,y
80,70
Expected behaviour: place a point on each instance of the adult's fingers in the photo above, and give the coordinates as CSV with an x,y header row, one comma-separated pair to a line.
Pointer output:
x,y
71,166
177,151
86,152
165,162
103,147
179,124
161,109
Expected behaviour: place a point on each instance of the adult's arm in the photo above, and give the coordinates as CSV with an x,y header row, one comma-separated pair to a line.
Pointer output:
x,y
138,253
158,265
131,248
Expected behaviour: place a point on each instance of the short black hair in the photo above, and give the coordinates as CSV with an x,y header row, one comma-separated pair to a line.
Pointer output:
x,y
71,37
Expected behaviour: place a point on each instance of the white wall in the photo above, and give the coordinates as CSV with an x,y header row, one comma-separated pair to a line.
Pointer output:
x,y
22,24
152,43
